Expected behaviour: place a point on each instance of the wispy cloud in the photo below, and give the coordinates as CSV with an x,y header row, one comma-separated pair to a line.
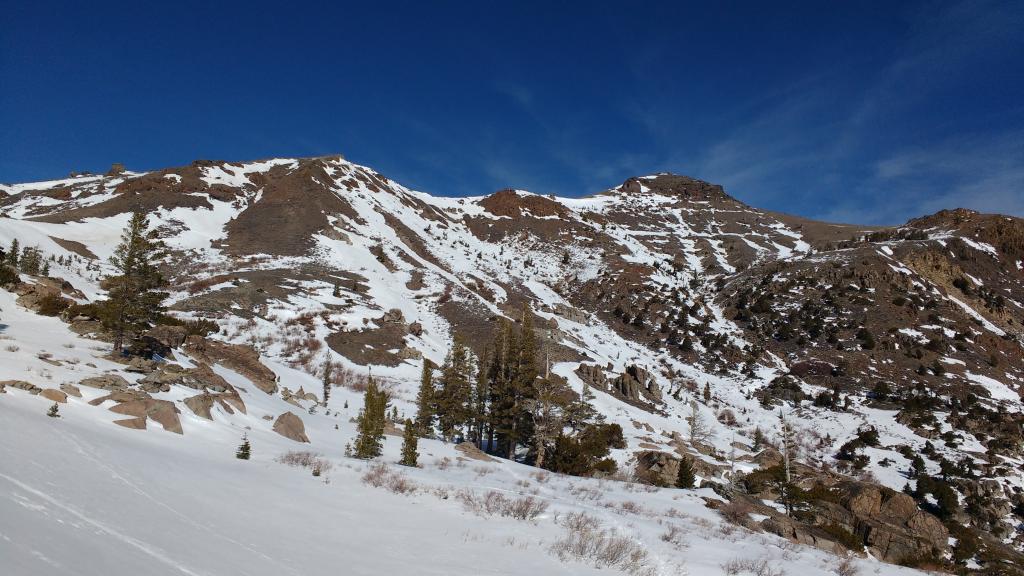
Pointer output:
x,y
827,151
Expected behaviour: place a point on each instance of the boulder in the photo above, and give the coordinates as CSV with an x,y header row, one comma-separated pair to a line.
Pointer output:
x,y
290,426
55,395
416,329
71,390
168,336
140,365
105,382
393,316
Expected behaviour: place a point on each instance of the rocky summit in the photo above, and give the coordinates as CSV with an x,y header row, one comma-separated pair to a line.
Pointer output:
x,y
838,388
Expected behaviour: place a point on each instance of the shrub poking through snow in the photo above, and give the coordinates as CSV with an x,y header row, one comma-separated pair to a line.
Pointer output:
x,y
586,541
495,503
54,411
380,475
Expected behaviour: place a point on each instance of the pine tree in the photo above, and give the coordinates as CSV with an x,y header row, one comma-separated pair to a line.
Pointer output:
x,y
54,411
685,478
481,397
425,401
337,290
133,300
707,392
409,441
371,422
328,369
245,449
758,440
455,396
12,256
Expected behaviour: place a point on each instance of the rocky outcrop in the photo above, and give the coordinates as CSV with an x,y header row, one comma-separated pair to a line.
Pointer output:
x,y
636,384
290,426
857,515
241,359
20,385
202,377
892,525
163,412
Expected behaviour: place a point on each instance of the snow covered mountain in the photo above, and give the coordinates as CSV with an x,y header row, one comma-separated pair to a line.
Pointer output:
x,y
881,346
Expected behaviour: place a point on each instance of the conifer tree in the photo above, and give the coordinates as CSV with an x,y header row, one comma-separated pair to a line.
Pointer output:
x,y
328,369
245,449
481,395
133,301
54,411
707,392
685,478
455,396
12,256
425,401
371,421
409,441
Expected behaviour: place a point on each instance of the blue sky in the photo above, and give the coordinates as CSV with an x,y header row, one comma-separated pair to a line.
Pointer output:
x,y
850,111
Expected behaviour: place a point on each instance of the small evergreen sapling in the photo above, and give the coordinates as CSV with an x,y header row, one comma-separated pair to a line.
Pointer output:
x,y
245,450
54,411
409,442
685,478
327,379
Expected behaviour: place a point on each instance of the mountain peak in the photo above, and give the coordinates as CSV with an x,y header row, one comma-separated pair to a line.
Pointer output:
x,y
669,184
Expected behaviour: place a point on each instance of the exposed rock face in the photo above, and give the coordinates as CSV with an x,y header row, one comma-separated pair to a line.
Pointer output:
x,y
290,426
55,395
241,359
163,412
893,526
202,404
888,523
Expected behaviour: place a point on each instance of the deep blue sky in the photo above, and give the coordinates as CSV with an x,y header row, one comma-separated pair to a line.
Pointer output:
x,y
861,112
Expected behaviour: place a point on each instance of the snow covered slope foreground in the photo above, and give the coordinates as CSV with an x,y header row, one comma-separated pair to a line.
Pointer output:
x,y
81,496
878,345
